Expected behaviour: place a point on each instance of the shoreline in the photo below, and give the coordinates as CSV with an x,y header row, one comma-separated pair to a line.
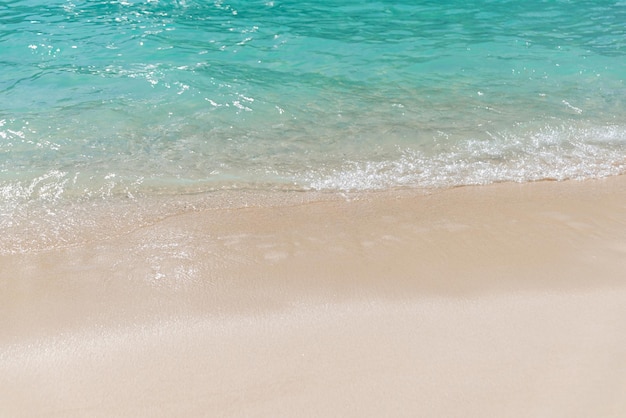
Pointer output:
x,y
505,299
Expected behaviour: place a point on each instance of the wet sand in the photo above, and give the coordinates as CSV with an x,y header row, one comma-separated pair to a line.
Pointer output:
x,y
501,300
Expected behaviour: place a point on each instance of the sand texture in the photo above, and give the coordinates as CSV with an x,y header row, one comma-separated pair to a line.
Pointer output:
x,y
502,300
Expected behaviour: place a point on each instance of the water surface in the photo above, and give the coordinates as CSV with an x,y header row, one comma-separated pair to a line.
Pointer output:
x,y
104,100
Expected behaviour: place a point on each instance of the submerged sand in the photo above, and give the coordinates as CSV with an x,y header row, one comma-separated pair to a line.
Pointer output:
x,y
501,300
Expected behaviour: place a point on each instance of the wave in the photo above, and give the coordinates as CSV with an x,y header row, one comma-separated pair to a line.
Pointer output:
x,y
551,153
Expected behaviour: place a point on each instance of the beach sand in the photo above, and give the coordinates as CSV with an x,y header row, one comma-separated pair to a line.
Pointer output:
x,y
501,300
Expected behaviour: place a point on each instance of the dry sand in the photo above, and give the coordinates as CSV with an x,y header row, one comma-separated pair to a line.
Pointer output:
x,y
503,300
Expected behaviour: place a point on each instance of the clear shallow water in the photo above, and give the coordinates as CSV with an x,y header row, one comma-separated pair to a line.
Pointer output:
x,y
101,100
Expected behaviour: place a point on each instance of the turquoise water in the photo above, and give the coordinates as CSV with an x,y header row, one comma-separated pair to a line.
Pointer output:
x,y
102,99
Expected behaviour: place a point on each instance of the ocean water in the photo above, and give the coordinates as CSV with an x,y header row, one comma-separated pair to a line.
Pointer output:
x,y
118,102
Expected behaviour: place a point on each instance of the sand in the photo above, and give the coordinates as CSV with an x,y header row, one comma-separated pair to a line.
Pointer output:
x,y
501,300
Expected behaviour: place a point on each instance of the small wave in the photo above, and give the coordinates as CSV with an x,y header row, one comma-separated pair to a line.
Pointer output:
x,y
560,153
